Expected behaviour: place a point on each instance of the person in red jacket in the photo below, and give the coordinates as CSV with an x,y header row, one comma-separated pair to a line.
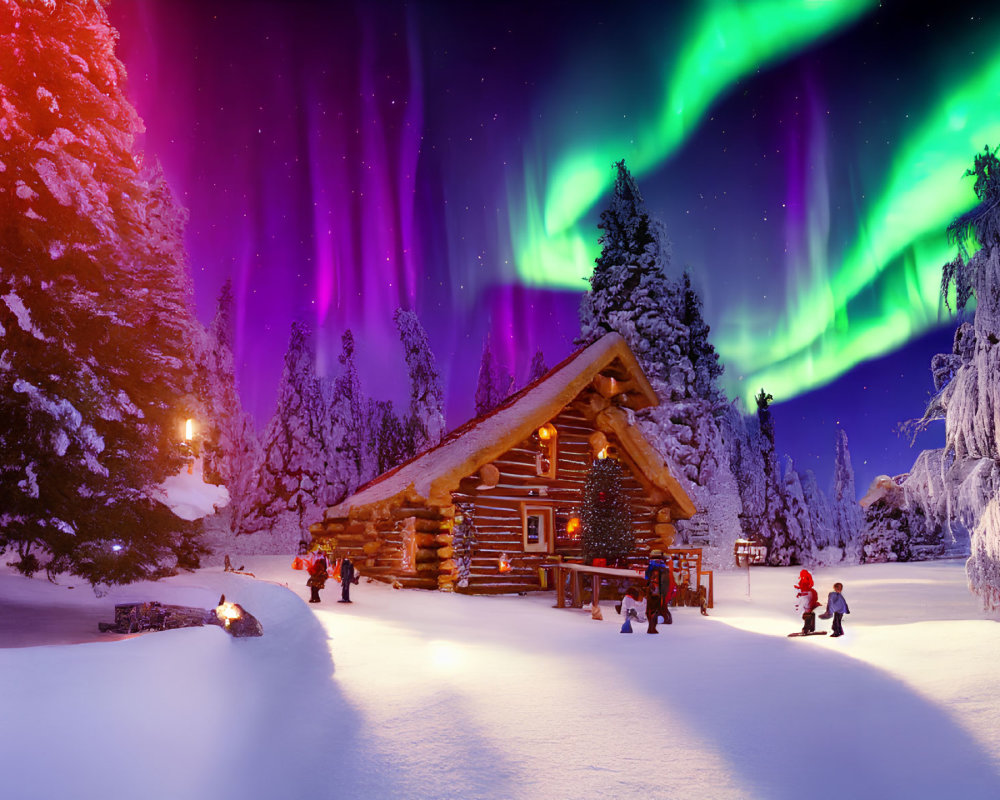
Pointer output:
x,y
317,578
807,601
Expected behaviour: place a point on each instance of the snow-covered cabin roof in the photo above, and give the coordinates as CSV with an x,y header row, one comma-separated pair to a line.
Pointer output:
x,y
436,472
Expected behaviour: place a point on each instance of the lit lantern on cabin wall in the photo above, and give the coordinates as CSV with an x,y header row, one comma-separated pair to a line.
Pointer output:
x,y
545,459
503,563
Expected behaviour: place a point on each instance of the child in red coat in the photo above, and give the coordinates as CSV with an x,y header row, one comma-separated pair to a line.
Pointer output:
x,y
807,601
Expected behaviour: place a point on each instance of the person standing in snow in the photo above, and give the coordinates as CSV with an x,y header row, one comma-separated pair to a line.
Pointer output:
x,y
317,578
807,601
346,579
836,607
660,589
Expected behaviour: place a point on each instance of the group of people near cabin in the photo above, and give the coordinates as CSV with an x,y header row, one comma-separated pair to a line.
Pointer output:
x,y
652,606
319,571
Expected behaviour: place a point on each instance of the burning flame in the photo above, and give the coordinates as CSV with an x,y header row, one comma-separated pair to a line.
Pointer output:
x,y
227,612
504,563
573,527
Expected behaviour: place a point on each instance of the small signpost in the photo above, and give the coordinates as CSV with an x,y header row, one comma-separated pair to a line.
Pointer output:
x,y
747,552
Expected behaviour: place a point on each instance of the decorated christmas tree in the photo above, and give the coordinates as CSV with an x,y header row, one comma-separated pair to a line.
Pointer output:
x,y
607,513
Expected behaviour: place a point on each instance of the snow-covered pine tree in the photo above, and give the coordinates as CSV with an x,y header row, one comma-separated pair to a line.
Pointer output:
x,y
386,436
782,549
847,515
888,535
705,367
292,482
741,436
537,368
967,470
820,516
425,420
229,441
661,321
798,518
350,461
97,327
606,514
494,384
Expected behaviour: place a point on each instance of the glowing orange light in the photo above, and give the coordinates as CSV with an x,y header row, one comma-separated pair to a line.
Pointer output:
x,y
602,453
503,564
227,612
188,430
546,432
573,527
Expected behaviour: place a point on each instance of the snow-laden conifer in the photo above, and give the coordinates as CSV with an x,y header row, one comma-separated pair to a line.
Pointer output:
x,y
660,319
537,368
958,485
425,420
96,321
494,383
228,440
292,482
847,514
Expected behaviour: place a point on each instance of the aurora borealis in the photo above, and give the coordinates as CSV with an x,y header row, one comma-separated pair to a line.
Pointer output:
x,y
342,159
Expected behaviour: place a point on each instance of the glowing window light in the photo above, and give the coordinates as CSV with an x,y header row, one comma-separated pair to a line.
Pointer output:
x,y
573,527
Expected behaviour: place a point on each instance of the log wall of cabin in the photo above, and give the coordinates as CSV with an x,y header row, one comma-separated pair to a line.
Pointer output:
x,y
402,540
499,528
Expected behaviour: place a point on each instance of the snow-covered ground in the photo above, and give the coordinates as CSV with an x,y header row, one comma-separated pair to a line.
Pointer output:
x,y
408,694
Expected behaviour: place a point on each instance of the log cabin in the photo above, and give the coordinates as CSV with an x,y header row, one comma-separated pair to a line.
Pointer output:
x,y
499,497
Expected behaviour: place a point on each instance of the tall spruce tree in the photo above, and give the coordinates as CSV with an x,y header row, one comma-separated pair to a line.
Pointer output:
x,y
660,319
425,420
292,482
494,383
230,443
782,549
386,437
606,514
96,328
350,461
848,517
537,367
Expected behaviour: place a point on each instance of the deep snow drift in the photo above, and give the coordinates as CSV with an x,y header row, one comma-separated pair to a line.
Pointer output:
x,y
425,695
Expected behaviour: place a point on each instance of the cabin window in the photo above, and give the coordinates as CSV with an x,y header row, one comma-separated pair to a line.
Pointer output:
x,y
537,528
548,451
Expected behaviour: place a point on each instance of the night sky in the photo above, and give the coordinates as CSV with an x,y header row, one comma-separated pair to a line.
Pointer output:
x,y
342,159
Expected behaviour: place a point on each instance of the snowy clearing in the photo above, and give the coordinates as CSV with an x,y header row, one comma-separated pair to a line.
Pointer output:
x,y
416,694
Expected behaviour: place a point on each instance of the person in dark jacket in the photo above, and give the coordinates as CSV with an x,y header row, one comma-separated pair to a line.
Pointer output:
x,y
346,579
317,578
660,588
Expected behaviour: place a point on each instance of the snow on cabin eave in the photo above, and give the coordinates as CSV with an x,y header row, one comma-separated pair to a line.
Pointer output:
x,y
435,472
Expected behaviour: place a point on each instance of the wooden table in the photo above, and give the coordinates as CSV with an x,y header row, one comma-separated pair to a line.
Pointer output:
x,y
689,561
576,570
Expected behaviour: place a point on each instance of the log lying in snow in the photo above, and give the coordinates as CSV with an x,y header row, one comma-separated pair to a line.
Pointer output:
x,y
155,616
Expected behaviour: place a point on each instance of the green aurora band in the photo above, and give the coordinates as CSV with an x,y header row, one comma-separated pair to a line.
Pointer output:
x,y
842,308
887,289
724,42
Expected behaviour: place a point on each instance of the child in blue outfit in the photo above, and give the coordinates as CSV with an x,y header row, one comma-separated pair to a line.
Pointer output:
x,y
836,606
